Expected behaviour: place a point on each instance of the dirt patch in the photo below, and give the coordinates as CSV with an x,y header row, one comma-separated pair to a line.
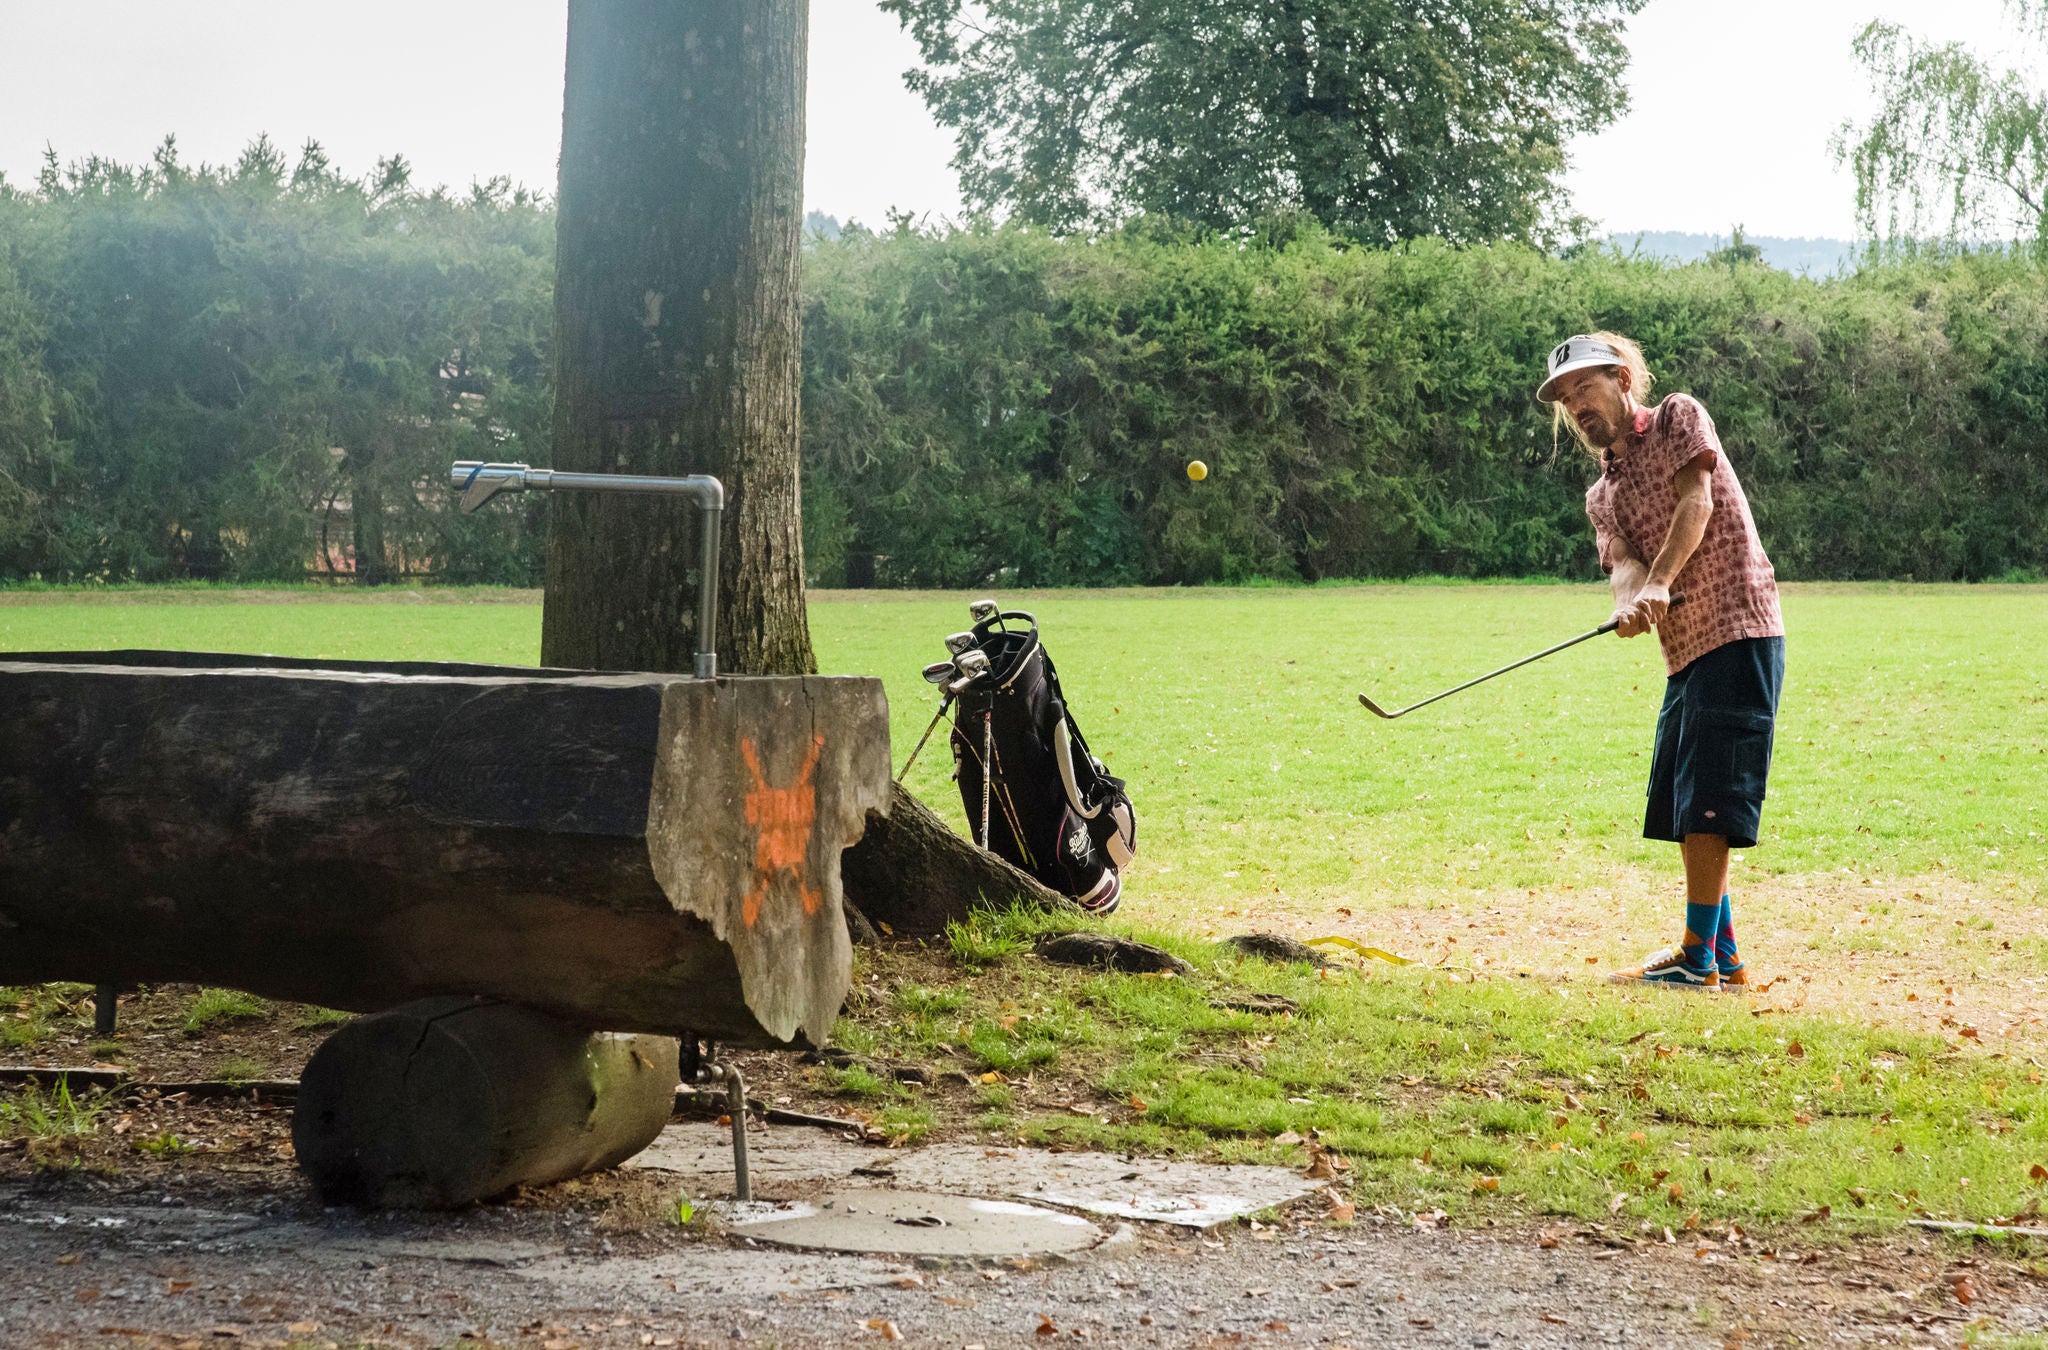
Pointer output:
x,y
1957,959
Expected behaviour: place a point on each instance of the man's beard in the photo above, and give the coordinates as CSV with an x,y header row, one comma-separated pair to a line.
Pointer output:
x,y
1599,432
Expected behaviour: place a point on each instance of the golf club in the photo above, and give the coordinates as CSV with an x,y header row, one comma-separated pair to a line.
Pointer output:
x,y
957,643
982,610
1607,627
970,667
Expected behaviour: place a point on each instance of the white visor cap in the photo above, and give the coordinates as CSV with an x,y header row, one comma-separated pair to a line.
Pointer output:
x,y
1575,353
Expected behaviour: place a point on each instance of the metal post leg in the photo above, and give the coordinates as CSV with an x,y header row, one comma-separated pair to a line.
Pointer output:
x,y
736,1107
105,999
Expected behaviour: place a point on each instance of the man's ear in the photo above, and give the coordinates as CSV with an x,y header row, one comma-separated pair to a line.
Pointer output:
x,y
1626,378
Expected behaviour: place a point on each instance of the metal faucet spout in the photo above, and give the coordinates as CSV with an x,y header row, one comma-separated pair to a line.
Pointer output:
x,y
478,482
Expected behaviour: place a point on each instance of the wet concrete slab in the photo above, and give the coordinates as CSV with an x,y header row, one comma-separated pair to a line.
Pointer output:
x,y
788,1161
878,1221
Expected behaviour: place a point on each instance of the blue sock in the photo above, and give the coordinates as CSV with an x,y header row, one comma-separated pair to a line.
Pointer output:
x,y
1701,923
1725,955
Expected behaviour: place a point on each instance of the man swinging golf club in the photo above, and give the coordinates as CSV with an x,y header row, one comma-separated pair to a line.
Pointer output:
x,y
1668,514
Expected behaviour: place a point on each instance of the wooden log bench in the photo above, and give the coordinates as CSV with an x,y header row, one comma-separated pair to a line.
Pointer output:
x,y
627,852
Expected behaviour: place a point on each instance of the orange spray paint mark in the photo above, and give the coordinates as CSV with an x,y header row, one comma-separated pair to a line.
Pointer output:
x,y
782,817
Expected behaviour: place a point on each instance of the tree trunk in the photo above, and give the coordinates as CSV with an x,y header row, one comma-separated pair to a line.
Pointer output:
x,y
914,874
678,241
627,852
366,517
451,1100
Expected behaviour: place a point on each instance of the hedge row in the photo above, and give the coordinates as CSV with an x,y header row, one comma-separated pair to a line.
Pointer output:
x,y
1005,404
211,373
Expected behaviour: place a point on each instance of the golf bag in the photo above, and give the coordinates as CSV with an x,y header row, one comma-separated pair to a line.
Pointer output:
x,y
1033,792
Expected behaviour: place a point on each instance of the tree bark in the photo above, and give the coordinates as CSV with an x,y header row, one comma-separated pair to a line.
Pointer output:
x,y
913,873
678,242
451,1100
366,517
627,852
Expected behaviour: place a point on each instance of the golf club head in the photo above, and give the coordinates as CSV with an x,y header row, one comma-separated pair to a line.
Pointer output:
x,y
938,672
981,611
957,643
479,482
974,665
1375,709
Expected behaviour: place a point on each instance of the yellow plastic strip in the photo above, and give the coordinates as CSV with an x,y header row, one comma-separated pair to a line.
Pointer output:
x,y
1348,945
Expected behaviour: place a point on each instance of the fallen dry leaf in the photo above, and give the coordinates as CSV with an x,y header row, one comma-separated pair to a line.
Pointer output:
x,y
1553,1317
1488,1184
1616,1201
1966,1290
1676,1191
1046,1327
2037,1172
886,1327
1796,1050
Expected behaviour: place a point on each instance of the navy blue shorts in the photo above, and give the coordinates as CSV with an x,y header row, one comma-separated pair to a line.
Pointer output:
x,y
1713,752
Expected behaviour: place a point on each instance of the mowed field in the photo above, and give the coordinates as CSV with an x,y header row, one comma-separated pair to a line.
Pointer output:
x,y
1893,911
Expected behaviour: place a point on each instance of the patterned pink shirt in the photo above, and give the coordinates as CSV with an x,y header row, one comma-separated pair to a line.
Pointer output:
x,y
1730,590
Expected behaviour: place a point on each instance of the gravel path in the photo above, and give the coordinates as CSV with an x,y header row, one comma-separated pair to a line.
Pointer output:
x,y
93,1263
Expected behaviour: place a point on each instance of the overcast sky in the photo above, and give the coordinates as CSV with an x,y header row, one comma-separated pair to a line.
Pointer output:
x,y
1734,100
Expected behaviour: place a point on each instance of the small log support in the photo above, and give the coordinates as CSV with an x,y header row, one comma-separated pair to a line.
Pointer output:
x,y
448,1101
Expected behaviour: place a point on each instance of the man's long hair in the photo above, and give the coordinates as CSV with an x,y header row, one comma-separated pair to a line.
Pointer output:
x,y
1639,388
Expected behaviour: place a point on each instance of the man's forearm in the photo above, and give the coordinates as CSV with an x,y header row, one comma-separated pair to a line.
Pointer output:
x,y
1627,578
1688,527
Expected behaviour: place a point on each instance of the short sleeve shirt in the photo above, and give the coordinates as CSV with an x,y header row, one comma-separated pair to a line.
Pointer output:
x,y
1730,590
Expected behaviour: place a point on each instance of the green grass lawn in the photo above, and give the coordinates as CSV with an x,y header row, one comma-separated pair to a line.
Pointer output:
x,y
1494,836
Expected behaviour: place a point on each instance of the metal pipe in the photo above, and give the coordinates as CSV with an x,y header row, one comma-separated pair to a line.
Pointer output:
x,y
736,1107
106,998
713,513
478,482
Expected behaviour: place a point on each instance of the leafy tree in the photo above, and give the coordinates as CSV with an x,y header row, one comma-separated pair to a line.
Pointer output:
x,y
243,371
1380,119
28,448
1737,252
1957,146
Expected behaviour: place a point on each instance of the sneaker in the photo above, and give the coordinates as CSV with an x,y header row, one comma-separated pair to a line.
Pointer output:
x,y
1667,970
1735,981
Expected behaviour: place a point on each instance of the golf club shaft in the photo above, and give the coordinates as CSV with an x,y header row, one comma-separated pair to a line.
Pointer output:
x,y
930,727
1607,627
988,755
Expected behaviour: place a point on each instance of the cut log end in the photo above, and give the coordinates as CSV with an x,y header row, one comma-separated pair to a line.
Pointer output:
x,y
448,1101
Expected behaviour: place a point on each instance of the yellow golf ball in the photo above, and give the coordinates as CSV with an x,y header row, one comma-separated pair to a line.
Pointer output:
x,y
1197,470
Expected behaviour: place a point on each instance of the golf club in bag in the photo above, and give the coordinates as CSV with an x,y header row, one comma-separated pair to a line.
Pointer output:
x,y
1033,792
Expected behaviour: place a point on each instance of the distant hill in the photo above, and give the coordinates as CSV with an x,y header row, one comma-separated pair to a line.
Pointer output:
x,y
1815,257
